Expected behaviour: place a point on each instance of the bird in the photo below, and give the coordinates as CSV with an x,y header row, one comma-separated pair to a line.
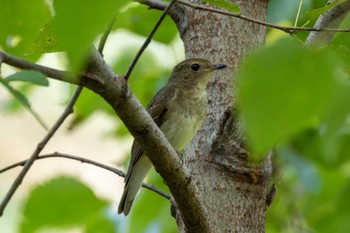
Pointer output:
x,y
178,109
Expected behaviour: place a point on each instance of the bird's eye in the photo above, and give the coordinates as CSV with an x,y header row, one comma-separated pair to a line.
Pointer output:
x,y
195,67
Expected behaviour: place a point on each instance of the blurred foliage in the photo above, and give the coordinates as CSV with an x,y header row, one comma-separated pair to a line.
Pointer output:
x,y
149,206
77,26
299,96
64,202
287,95
132,17
297,101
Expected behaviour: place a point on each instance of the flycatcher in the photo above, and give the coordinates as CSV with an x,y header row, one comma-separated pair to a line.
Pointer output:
x,y
178,109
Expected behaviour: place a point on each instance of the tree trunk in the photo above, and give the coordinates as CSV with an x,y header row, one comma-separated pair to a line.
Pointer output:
x,y
232,189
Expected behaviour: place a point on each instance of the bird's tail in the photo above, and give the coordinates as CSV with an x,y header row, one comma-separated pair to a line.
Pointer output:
x,y
133,183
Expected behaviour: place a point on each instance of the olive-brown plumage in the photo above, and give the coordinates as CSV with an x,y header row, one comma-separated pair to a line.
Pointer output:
x,y
178,109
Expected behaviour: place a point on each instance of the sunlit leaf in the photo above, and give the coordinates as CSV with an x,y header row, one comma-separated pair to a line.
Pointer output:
x,y
47,41
230,6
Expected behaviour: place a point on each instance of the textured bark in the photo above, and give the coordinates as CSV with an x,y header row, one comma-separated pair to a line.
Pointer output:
x,y
233,191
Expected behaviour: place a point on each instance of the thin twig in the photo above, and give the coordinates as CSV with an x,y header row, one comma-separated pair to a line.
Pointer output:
x,y
88,161
298,13
68,110
148,40
105,35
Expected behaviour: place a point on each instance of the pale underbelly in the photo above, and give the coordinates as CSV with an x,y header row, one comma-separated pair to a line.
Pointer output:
x,y
181,130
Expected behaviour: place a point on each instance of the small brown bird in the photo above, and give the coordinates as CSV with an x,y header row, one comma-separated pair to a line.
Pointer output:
x,y
178,109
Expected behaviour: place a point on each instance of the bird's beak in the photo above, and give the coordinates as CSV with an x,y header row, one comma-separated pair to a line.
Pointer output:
x,y
219,66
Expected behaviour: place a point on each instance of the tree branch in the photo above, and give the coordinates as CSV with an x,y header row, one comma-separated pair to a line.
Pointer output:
x,y
85,79
99,78
148,39
329,19
68,110
27,65
88,161
117,93
105,35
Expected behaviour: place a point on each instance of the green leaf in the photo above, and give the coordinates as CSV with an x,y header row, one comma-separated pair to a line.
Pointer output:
x,y
78,23
47,41
230,6
284,89
314,14
24,101
20,21
34,77
64,202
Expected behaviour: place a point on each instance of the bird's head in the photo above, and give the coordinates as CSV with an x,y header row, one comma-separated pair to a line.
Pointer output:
x,y
194,72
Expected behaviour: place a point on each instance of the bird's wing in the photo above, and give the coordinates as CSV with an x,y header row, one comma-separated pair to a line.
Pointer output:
x,y
157,108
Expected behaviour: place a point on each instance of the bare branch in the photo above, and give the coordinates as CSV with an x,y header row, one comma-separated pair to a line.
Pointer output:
x,y
148,39
154,4
329,19
326,28
88,161
290,30
105,35
27,65
68,110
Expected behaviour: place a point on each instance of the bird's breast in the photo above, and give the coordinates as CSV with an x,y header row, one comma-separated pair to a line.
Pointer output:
x,y
185,116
